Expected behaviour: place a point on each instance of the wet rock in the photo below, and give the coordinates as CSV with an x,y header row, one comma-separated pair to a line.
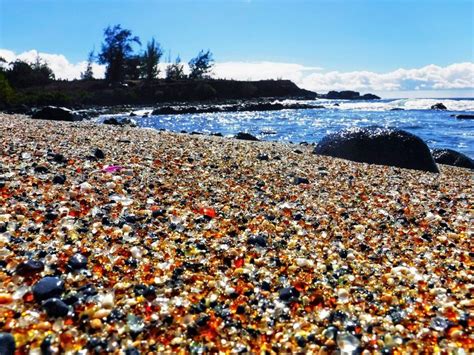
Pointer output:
x,y
378,145
246,137
288,294
56,114
7,344
29,267
99,154
263,157
464,117
439,106
48,287
349,95
453,158
54,307
397,109
120,122
59,179
77,262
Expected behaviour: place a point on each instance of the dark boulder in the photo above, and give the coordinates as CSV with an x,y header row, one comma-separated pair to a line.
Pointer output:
x,y
451,157
349,95
120,122
378,145
464,117
245,136
439,106
397,109
56,114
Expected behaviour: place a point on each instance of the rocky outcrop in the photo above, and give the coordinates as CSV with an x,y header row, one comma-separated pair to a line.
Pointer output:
x,y
120,122
349,95
241,107
378,145
453,158
246,137
464,116
56,114
438,106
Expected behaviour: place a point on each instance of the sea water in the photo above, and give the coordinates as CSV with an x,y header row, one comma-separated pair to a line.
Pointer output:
x,y
439,129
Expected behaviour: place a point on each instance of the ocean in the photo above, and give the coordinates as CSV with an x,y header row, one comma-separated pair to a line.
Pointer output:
x,y
439,129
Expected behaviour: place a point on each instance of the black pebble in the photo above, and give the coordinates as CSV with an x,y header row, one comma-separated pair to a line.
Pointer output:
x,y
99,154
77,262
41,169
257,240
288,294
59,179
263,157
59,158
300,180
48,287
7,344
29,267
54,307
132,351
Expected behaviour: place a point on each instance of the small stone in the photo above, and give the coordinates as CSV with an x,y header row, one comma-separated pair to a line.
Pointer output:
x,y
108,300
55,307
99,154
257,240
59,179
77,262
7,344
263,157
6,298
347,343
29,267
300,180
96,323
288,294
342,295
48,287
41,169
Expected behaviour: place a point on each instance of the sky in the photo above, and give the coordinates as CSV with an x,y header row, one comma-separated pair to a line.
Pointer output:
x,y
395,48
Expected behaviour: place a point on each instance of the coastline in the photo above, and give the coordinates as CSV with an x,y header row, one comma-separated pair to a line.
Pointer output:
x,y
241,245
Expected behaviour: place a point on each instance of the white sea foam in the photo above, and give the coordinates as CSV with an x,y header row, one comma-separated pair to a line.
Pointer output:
x,y
405,104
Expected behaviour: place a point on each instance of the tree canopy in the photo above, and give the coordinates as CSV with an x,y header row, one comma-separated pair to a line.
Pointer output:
x,y
116,52
150,60
201,65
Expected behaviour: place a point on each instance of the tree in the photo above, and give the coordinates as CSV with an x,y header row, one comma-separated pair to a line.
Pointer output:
x,y
116,50
88,74
21,74
175,71
150,59
201,65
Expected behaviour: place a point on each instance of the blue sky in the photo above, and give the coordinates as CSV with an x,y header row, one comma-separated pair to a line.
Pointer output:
x,y
378,36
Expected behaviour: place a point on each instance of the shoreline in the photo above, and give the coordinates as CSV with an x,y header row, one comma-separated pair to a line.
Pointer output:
x,y
195,242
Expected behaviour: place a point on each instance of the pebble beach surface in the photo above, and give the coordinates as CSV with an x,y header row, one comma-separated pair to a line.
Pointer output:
x,y
127,240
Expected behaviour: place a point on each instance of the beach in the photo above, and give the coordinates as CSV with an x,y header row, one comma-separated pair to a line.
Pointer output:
x,y
166,242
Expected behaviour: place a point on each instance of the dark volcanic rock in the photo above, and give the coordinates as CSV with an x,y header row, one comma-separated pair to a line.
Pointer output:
x,y
77,262
7,344
288,294
451,157
48,287
349,95
120,122
245,136
54,307
56,114
378,145
439,106
59,179
464,117
29,267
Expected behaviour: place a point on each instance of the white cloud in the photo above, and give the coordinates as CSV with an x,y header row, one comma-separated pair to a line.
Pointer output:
x,y
58,63
458,76
430,77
